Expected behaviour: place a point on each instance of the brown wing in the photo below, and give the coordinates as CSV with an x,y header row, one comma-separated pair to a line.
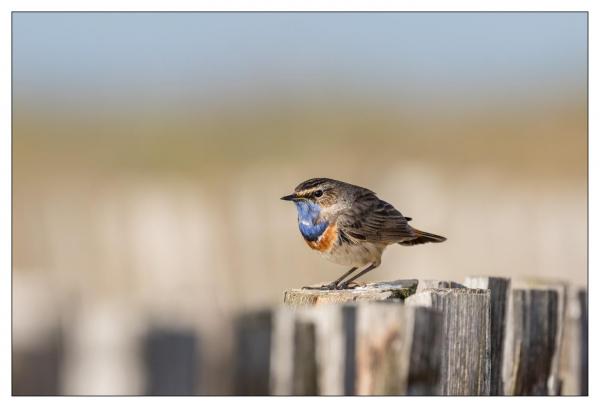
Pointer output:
x,y
373,220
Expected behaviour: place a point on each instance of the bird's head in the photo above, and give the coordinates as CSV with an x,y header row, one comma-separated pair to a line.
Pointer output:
x,y
320,198
318,191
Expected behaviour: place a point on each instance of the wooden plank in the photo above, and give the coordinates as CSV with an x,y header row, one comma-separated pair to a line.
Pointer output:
x,y
333,334
573,364
382,350
561,288
499,295
281,369
252,353
171,357
531,331
583,349
381,291
37,370
397,350
555,380
305,364
424,375
349,327
465,364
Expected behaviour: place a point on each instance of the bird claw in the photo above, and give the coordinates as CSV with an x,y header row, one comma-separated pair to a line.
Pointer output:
x,y
334,286
347,285
330,286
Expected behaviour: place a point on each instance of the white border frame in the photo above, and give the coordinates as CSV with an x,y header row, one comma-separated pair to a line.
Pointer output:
x,y
274,5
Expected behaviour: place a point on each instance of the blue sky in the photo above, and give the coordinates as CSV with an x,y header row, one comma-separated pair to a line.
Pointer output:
x,y
150,55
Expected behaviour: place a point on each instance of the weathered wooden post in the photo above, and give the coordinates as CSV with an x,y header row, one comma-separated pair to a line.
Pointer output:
x,y
333,328
305,359
499,294
531,339
466,343
171,357
397,350
252,353
573,363
555,381
582,299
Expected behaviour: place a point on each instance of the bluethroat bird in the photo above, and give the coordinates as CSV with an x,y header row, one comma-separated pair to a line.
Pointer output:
x,y
350,225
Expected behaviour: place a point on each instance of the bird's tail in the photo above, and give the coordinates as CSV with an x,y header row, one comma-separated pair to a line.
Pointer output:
x,y
422,238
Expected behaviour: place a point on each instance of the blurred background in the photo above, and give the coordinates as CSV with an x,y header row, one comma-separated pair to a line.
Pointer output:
x,y
150,151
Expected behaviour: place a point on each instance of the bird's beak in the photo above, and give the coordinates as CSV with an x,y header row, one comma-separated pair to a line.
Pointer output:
x,y
291,197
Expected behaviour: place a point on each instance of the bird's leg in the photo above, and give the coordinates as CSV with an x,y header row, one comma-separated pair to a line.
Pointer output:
x,y
332,285
358,275
341,278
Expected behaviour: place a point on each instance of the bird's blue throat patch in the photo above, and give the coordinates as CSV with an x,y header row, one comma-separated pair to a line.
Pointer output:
x,y
308,213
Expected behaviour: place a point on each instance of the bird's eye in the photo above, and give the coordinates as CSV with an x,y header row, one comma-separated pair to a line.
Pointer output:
x,y
318,193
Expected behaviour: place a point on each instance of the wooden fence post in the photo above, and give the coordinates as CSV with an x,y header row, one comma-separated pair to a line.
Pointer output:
x,y
305,359
466,338
582,299
333,336
397,350
532,328
555,381
573,354
499,295
171,358
252,353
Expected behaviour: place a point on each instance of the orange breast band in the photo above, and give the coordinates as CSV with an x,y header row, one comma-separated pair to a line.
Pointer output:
x,y
326,240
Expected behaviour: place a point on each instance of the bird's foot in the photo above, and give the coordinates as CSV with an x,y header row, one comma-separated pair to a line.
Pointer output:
x,y
348,285
330,286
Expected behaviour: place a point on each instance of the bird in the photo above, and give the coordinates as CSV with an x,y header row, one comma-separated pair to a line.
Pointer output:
x,y
349,225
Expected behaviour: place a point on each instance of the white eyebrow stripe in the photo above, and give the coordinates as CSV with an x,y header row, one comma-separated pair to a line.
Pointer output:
x,y
303,193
